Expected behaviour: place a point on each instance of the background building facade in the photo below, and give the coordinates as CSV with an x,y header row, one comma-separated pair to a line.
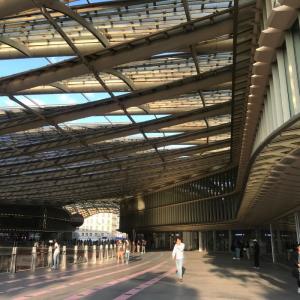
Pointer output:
x,y
99,226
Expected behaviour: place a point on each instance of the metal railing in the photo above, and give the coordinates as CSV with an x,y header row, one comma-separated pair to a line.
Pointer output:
x,y
15,259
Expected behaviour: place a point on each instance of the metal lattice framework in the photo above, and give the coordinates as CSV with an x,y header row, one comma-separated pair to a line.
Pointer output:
x,y
184,68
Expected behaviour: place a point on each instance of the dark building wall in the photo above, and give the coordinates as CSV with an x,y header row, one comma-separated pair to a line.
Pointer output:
x,y
208,200
35,218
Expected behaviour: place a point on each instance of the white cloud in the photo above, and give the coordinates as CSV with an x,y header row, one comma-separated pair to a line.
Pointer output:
x,y
66,99
10,103
53,59
38,101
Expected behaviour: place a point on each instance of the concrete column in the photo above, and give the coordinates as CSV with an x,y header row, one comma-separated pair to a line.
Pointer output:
x,y
272,244
204,241
188,240
33,259
200,241
163,240
214,241
229,240
279,243
297,223
13,262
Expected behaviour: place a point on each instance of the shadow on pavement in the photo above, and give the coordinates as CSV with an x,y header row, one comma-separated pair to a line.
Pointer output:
x,y
277,283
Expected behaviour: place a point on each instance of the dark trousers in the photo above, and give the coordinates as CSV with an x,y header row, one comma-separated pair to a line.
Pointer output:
x,y
256,260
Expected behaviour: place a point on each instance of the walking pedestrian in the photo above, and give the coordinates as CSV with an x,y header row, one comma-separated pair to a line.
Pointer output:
x,y
296,262
120,252
127,251
247,249
133,247
144,246
138,247
256,250
237,248
178,255
56,255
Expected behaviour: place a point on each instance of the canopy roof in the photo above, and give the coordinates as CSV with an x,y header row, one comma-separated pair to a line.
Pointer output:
x,y
160,89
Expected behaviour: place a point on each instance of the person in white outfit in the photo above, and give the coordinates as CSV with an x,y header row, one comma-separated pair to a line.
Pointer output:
x,y
178,255
56,255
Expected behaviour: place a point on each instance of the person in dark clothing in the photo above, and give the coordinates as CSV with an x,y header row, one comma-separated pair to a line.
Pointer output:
x,y
247,249
296,263
237,248
256,250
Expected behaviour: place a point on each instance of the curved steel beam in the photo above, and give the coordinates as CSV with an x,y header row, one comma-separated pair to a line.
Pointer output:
x,y
83,87
137,164
61,87
15,44
123,77
180,36
60,7
214,46
116,151
205,80
12,7
197,114
170,157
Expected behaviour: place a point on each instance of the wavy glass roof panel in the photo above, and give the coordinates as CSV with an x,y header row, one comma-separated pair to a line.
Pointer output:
x,y
100,100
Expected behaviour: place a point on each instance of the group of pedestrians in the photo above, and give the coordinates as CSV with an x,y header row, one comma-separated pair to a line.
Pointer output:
x,y
242,247
127,248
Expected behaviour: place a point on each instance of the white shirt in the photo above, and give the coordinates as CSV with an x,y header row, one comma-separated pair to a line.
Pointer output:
x,y
178,251
56,248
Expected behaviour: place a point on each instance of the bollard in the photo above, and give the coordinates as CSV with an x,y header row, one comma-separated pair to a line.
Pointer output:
x,y
50,258
75,254
109,251
33,259
106,251
101,253
13,261
94,255
113,251
64,258
86,253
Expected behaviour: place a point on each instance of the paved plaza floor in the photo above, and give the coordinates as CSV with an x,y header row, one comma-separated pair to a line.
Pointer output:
x,y
152,277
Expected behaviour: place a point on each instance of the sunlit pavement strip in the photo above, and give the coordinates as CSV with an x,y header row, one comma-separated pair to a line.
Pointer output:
x,y
143,286
90,292
77,275
15,289
33,277
49,290
78,272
